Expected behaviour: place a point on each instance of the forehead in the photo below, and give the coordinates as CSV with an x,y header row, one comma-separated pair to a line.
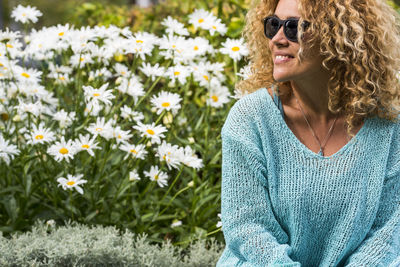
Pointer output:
x,y
286,9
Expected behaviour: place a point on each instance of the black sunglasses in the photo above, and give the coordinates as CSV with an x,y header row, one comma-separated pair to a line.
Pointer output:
x,y
272,24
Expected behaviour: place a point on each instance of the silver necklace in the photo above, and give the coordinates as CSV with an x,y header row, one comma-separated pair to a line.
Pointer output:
x,y
312,131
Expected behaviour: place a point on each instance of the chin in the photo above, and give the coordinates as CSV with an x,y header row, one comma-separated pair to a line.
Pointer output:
x,y
282,78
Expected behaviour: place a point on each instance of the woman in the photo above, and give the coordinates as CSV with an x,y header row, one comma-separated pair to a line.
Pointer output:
x,y
311,165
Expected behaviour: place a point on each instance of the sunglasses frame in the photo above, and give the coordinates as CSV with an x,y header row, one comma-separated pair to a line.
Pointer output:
x,y
284,23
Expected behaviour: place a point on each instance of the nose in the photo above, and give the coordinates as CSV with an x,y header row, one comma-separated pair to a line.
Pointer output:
x,y
280,39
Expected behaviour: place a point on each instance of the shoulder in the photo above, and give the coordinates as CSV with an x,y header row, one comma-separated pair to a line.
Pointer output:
x,y
245,112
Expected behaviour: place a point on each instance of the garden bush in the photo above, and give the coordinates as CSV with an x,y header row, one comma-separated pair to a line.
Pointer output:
x,y
79,245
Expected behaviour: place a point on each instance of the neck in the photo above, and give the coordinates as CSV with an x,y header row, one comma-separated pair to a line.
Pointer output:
x,y
312,95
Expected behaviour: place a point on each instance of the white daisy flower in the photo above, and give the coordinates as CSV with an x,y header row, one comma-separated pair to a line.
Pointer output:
x,y
179,73
64,118
60,78
72,181
141,44
218,96
173,43
100,73
7,35
86,143
102,128
132,87
199,46
28,75
39,135
34,108
98,95
128,113
93,108
80,60
134,176
215,25
25,14
7,150
122,70
189,158
136,151
166,101
156,175
170,154
176,223
120,135
155,133
174,26
62,150
201,18
245,72
152,71
235,48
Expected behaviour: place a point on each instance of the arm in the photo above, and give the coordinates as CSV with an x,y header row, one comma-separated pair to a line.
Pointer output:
x,y
250,229
381,246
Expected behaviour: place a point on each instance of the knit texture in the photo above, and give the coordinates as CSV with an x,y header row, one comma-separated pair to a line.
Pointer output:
x,y
284,205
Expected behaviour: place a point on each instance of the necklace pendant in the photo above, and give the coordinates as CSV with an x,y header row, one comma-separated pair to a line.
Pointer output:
x,y
320,152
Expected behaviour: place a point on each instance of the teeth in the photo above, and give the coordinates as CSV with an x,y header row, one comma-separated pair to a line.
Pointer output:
x,y
282,57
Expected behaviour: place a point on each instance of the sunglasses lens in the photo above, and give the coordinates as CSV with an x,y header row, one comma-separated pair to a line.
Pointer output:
x,y
271,27
291,29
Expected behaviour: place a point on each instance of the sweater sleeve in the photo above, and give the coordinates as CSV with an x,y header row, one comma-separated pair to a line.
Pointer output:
x,y
250,228
381,246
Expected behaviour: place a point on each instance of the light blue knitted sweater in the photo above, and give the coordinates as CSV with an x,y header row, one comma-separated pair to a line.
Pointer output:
x,y
284,205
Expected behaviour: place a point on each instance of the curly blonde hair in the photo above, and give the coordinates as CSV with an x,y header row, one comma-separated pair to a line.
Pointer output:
x,y
360,43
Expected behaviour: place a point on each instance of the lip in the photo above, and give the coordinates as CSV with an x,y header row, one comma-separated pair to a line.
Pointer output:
x,y
279,60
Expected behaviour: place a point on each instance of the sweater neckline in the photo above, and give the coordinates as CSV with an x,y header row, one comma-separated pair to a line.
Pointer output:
x,y
362,132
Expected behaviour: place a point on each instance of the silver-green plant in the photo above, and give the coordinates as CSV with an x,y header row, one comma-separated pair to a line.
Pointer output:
x,y
80,245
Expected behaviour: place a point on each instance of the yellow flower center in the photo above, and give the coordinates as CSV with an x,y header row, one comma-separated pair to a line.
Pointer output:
x,y
81,59
96,94
99,129
64,151
173,46
24,14
156,177
26,75
215,98
61,34
123,72
235,48
39,137
150,131
165,104
40,45
214,27
9,46
62,78
176,73
70,183
133,151
206,77
119,136
201,20
85,146
196,48
139,41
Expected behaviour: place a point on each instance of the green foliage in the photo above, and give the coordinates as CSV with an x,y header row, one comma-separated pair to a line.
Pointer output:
x,y
80,245
97,13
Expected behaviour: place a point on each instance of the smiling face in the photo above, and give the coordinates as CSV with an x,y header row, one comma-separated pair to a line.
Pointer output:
x,y
287,66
